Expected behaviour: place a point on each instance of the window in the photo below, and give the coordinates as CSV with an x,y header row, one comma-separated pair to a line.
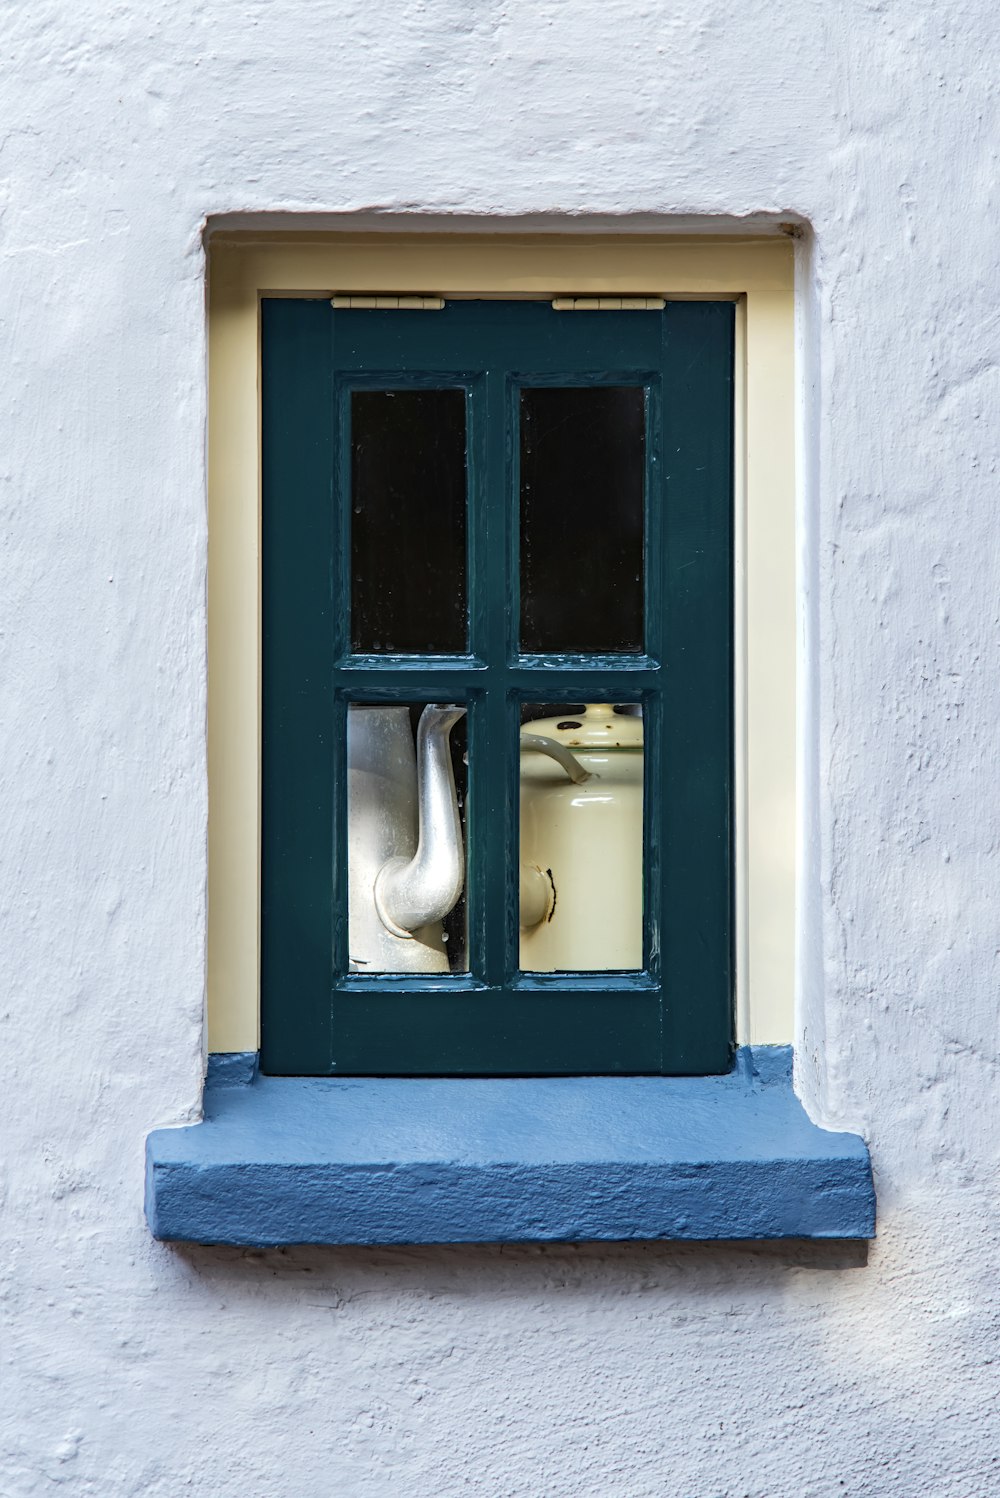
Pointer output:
x,y
522,517
249,267
471,1158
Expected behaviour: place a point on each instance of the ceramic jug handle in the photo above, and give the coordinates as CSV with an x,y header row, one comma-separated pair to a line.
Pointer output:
x,y
541,745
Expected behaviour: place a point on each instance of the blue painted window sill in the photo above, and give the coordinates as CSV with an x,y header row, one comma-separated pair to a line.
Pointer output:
x,y
388,1160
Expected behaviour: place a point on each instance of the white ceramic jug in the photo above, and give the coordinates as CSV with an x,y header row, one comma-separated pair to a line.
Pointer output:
x,y
406,860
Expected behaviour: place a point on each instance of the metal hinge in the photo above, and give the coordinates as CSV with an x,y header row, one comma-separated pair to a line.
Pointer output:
x,y
608,304
390,303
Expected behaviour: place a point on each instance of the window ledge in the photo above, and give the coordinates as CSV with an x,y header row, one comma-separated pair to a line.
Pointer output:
x,y
369,1160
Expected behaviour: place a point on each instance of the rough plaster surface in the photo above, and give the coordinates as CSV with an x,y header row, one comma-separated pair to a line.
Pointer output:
x,y
131,1368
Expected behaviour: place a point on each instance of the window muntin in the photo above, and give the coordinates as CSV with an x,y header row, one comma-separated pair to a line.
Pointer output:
x,y
672,1012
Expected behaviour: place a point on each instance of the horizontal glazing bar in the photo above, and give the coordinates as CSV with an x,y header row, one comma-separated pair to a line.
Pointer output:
x,y
526,661
604,982
459,984
409,686
579,661
357,663
450,983
586,685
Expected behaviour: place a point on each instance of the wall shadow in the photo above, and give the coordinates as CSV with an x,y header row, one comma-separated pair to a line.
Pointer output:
x,y
486,1268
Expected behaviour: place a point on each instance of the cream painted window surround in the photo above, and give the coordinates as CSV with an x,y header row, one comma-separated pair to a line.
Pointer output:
x,y
755,272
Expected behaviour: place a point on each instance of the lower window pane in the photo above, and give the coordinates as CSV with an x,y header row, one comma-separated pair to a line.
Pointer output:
x,y
580,875
406,791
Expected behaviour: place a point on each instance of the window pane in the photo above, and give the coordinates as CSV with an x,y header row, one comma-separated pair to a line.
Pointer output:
x,y
582,481
408,585
580,875
406,916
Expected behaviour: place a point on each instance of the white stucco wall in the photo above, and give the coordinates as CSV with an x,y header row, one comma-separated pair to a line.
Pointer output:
x,y
136,1369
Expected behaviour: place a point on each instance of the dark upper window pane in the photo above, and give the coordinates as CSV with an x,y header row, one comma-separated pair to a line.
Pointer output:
x,y
582,480
408,587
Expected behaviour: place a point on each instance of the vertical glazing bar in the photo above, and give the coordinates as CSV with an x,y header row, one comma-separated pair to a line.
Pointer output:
x,y
478,812
653,815
655,829
653,523
340,959
340,582
477,500
495,736
340,561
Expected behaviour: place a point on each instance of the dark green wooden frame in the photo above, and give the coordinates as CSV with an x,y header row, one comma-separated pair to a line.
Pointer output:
x,y
676,1016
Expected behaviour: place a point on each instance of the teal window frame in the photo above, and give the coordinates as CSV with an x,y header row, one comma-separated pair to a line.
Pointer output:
x,y
676,1015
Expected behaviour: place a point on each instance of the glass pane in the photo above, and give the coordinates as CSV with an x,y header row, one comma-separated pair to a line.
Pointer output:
x,y
580,875
408,521
582,480
406,786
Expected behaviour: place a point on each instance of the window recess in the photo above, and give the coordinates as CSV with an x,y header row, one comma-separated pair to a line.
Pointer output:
x,y
284,1159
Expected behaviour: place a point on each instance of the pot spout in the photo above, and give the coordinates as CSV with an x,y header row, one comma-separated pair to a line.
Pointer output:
x,y
412,892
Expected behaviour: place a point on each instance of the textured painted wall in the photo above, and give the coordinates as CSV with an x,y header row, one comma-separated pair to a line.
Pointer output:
x,y
135,1369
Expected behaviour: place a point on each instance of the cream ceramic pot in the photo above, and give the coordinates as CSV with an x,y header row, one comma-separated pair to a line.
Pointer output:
x,y
581,842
